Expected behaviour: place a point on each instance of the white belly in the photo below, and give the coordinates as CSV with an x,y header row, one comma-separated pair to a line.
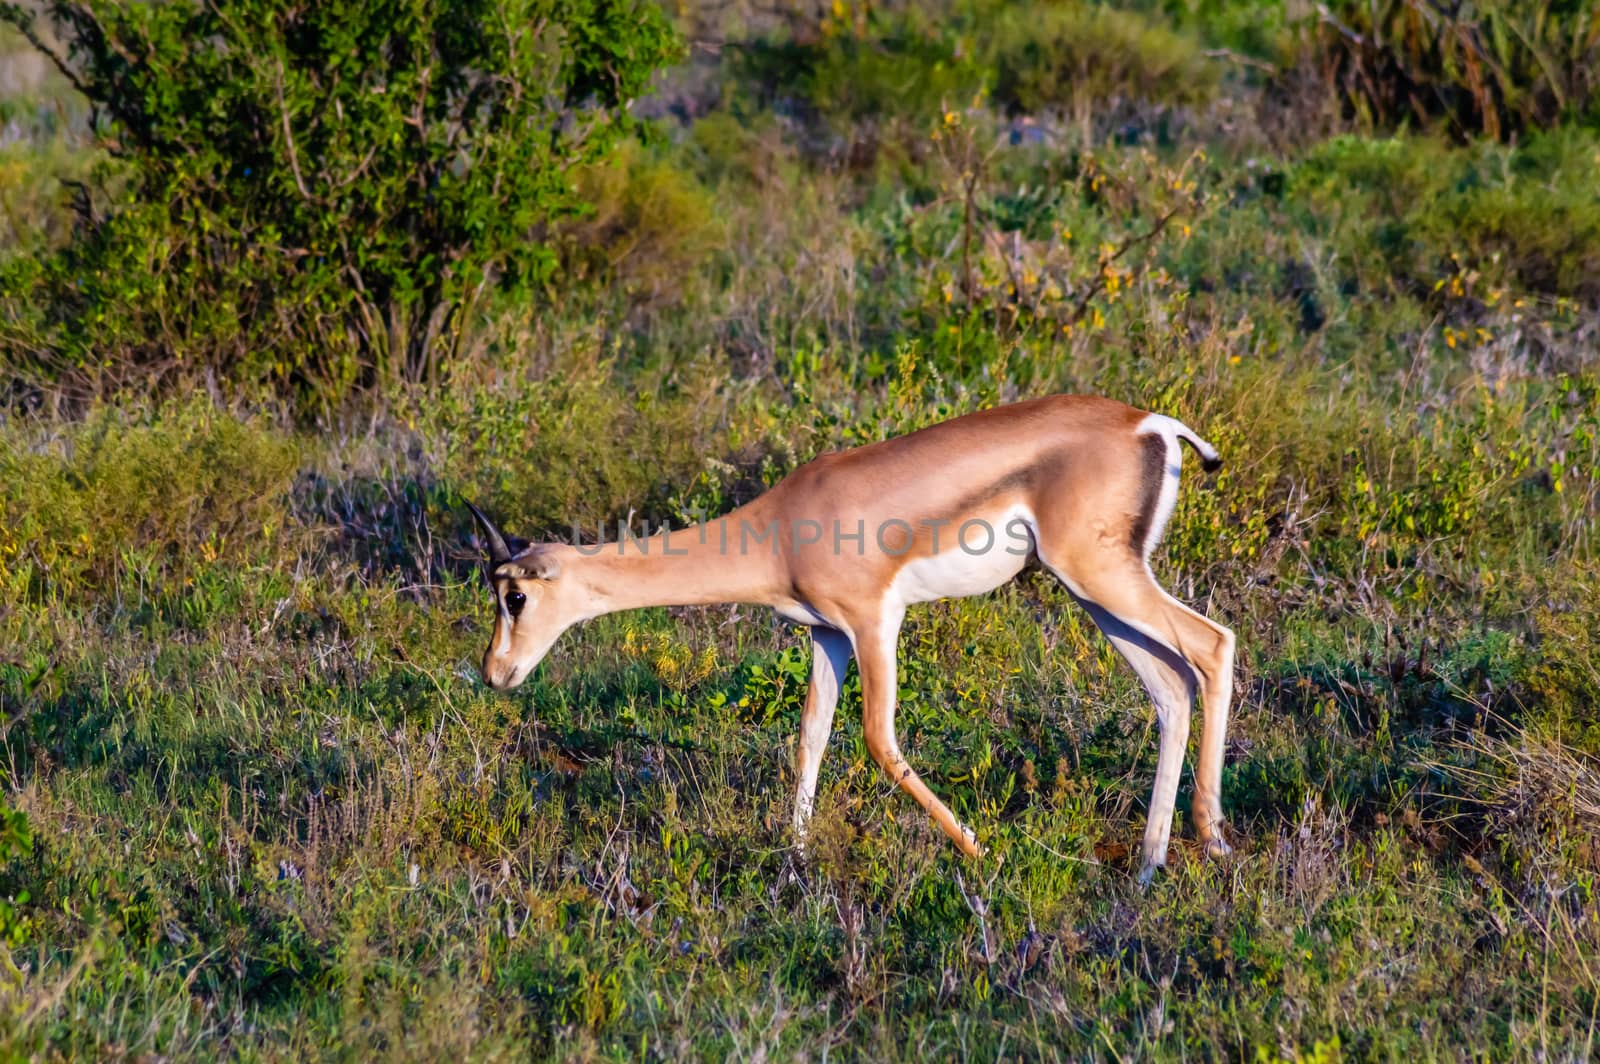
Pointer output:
x,y
970,562
801,613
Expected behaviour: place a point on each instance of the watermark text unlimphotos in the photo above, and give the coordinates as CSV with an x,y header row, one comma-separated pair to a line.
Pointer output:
x,y
745,536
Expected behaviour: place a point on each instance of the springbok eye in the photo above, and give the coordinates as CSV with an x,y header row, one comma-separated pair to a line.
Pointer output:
x,y
515,600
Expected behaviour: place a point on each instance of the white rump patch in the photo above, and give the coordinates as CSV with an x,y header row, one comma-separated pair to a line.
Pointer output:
x,y
1169,429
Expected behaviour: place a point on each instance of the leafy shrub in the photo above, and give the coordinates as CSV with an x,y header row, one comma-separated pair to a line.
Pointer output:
x,y
164,489
1075,56
1566,678
1249,28
318,192
1525,217
870,61
651,224
877,62
1548,238
16,844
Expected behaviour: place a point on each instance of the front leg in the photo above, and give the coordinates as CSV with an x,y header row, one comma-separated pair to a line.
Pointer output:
x,y
830,656
875,658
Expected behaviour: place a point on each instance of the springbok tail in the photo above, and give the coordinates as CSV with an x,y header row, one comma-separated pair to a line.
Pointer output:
x,y
1172,428
1210,460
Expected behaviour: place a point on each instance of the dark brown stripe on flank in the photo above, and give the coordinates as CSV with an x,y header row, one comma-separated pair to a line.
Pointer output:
x,y
1019,480
1153,469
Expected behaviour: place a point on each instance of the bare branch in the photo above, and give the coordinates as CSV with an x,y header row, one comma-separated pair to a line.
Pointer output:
x,y
288,136
22,19
1099,284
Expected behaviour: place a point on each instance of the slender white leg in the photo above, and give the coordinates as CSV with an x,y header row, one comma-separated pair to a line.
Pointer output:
x,y
1177,653
1172,684
830,656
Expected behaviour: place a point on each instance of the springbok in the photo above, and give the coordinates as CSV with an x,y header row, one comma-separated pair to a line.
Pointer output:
x,y
1083,485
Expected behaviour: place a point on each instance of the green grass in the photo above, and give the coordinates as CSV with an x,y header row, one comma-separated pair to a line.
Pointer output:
x,y
258,804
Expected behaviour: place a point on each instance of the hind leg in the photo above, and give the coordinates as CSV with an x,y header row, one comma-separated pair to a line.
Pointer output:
x,y
1218,676
1171,684
1171,647
1208,649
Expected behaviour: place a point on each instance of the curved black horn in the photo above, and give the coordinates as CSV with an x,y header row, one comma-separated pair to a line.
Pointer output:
x,y
498,551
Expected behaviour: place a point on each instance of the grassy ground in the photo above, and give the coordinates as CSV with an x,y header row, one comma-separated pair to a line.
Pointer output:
x,y
259,805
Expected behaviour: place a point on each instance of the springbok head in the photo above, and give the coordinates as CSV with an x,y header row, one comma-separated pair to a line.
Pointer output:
x,y
530,609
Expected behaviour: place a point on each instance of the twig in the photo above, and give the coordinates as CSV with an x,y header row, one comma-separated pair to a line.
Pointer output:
x,y
1332,20
980,909
1243,60
1100,279
1052,851
22,19
288,136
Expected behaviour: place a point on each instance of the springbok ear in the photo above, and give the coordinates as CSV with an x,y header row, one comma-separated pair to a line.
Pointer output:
x,y
529,565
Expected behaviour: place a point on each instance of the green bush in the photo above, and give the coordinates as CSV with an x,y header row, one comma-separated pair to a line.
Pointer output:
x,y
159,492
1548,238
1248,28
1565,682
1075,56
317,193
650,225
871,62
1524,217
